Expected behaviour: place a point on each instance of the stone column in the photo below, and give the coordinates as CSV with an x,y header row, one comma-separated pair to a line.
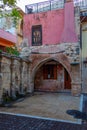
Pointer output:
x,y
31,82
28,80
11,71
21,71
76,88
76,80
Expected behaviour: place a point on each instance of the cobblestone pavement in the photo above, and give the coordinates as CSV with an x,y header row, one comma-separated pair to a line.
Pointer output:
x,y
49,105
13,122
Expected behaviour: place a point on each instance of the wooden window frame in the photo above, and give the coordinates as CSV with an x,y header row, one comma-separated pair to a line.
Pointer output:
x,y
50,71
36,30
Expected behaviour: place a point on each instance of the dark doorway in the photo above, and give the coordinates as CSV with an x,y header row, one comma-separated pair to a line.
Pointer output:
x,y
67,80
50,71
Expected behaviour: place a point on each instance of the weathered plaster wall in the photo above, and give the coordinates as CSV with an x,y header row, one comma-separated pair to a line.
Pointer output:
x,y
58,26
52,26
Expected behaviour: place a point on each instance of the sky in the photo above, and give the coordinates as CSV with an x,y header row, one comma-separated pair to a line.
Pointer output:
x,y
22,3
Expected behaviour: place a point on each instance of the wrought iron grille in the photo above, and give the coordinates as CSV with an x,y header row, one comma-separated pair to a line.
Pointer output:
x,y
80,3
83,14
44,6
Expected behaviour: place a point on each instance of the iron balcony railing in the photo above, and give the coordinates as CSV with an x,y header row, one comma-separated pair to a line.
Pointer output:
x,y
81,3
44,6
53,5
83,13
83,6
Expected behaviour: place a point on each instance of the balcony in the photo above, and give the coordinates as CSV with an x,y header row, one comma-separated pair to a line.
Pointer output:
x,y
81,3
44,6
83,13
53,5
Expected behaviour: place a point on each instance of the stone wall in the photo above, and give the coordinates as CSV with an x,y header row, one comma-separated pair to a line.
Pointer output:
x,y
67,54
69,59
52,85
84,57
14,73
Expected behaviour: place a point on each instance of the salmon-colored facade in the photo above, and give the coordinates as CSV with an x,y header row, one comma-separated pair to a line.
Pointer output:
x,y
52,26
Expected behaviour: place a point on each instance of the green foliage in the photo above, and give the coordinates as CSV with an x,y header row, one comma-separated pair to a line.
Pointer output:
x,y
15,15
0,51
12,51
9,2
13,12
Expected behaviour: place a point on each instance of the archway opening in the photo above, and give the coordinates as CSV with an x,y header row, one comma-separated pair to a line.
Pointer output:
x,y
52,76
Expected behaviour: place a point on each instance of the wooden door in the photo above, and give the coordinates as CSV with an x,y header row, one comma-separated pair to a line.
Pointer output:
x,y
67,80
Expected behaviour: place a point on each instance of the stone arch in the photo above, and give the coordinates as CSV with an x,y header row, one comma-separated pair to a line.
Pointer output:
x,y
60,58
65,64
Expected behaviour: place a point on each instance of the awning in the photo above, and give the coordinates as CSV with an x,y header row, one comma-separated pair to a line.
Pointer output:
x,y
6,43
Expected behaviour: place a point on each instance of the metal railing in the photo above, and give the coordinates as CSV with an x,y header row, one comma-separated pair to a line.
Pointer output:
x,y
44,6
84,13
53,5
81,3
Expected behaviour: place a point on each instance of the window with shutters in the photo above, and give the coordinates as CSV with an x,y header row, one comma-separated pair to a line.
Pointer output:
x,y
36,35
50,72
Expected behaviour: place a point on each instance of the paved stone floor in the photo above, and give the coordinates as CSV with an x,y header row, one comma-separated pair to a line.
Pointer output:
x,y
13,122
49,105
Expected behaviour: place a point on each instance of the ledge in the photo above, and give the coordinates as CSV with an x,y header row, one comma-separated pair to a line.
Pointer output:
x,y
75,63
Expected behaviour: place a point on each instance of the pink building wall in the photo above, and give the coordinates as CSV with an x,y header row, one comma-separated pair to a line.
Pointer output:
x,y
69,33
52,26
